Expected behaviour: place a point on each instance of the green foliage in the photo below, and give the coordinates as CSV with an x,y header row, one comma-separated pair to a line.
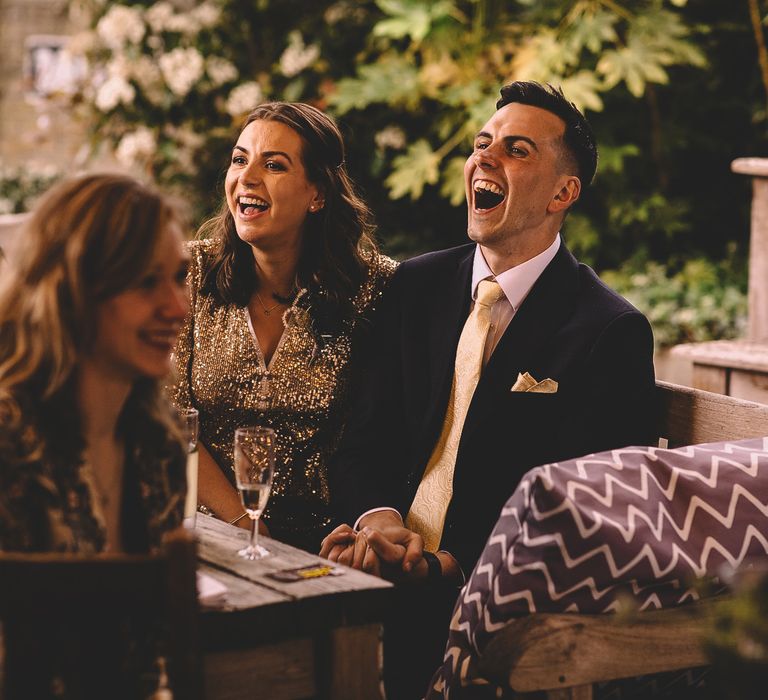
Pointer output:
x,y
699,302
413,170
20,187
670,87
169,84
411,18
393,81
737,643
448,59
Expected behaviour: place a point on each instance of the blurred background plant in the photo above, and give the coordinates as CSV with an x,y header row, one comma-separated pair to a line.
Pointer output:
x,y
738,640
20,187
673,89
693,301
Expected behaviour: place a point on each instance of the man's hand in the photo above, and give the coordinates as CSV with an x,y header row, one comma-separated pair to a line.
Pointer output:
x,y
400,553
398,549
342,546
391,551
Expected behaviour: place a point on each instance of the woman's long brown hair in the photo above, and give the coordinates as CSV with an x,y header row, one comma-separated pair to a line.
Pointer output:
x,y
338,239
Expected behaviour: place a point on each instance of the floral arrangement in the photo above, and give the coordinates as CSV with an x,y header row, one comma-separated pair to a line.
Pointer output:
x,y
169,82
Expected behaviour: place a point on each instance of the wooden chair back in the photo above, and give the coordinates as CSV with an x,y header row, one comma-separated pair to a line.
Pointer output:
x,y
564,654
88,627
689,416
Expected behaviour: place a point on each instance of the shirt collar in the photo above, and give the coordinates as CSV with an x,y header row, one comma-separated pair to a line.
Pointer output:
x,y
517,281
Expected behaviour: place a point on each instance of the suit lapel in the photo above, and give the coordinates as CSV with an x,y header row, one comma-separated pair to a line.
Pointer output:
x,y
543,312
450,310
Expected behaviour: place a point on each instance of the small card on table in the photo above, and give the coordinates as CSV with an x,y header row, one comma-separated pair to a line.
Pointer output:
x,y
306,573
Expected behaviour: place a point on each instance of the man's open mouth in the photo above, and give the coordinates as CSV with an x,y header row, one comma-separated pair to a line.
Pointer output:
x,y
487,194
251,205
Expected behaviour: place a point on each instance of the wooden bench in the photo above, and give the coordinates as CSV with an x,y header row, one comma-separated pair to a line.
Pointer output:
x,y
564,654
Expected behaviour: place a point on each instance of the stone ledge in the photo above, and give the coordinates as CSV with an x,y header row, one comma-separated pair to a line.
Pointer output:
x,y
750,166
736,354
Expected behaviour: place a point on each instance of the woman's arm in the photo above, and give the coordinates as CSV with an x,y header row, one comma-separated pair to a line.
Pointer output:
x,y
216,493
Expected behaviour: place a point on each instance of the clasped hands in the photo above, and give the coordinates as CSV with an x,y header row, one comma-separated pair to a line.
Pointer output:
x,y
383,547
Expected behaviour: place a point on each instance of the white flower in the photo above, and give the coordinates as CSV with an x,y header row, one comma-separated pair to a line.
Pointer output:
x,y
136,147
158,15
390,137
183,24
336,13
43,171
344,10
207,15
220,70
297,56
81,43
121,24
162,17
119,67
186,144
147,76
185,135
181,68
244,98
112,92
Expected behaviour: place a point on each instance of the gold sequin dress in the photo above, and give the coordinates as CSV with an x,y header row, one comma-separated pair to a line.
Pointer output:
x,y
301,394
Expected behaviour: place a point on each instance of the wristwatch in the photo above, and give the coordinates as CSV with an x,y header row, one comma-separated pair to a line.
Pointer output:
x,y
434,567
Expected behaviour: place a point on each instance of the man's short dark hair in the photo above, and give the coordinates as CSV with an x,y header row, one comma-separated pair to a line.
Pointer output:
x,y
578,137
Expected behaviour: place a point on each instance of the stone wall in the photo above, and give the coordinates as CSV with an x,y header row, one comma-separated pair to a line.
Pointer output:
x,y
27,132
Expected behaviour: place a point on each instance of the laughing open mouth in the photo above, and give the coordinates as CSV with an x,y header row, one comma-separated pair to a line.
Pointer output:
x,y
251,205
487,194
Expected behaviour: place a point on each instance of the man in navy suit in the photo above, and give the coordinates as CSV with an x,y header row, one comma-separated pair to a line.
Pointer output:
x,y
565,365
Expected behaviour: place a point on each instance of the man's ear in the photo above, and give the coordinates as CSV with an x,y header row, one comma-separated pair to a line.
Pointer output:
x,y
570,189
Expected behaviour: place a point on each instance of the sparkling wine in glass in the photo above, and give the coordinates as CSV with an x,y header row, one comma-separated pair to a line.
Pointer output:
x,y
254,466
189,418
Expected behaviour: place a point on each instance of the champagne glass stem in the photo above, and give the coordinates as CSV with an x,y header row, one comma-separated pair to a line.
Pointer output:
x,y
255,534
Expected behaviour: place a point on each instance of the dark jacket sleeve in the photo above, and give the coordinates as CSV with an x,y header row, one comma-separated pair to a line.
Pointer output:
x,y
618,407
368,468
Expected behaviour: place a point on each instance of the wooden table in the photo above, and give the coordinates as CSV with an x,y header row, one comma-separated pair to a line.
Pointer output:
x,y
315,638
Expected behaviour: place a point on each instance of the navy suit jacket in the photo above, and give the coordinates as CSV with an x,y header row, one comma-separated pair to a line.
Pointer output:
x,y
570,328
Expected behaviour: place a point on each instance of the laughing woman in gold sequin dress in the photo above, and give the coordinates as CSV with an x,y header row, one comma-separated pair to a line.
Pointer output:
x,y
279,293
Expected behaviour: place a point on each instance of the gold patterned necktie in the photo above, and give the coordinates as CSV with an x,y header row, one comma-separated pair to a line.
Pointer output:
x,y
427,513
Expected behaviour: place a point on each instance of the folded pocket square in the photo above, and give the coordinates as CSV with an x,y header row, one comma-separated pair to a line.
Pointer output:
x,y
526,383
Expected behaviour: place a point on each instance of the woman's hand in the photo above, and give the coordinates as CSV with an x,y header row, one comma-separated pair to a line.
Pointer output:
x,y
216,493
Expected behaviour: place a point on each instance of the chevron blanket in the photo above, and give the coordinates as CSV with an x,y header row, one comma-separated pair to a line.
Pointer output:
x,y
578,536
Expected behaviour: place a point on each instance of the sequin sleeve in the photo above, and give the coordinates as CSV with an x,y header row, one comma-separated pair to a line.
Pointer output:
x,y
380,270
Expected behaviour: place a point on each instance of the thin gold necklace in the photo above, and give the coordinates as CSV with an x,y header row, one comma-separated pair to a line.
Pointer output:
x,y
267,311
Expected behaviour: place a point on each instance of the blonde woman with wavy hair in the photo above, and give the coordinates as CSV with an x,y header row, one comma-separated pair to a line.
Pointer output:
x,y
90,459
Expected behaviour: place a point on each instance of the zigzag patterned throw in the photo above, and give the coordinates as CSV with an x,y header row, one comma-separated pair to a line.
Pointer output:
x,y
579,535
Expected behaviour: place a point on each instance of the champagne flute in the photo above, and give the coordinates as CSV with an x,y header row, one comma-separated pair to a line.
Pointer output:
x,y
190,421
254,466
